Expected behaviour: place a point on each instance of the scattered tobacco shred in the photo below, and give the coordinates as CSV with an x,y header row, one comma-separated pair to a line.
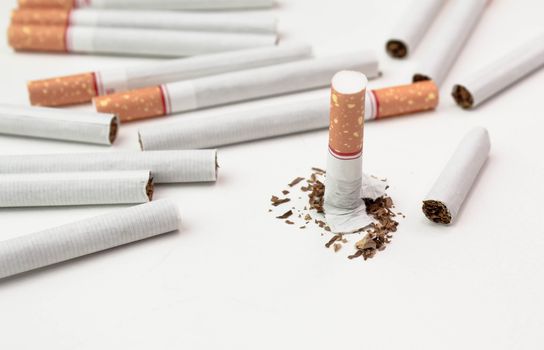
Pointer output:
x,y
295,181
276,201
285,192
333,239
289,222
319,171
337,247
285,215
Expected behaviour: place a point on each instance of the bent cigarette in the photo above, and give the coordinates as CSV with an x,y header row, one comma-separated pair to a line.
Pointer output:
x,y
447,41
77,188
413,25
88,236
301,114
151,4
130,41
49,123
166,166
449,192
232,87
75,89
476,88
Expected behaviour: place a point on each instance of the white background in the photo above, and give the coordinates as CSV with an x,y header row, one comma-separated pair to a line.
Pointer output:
x,y
236,278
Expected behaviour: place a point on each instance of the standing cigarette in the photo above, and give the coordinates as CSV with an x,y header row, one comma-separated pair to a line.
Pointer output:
x,y
32,251
442,204
49,123
166,166
447,41
77,188
412,27
151,4
232,87
495,77
75,89
130,41
302,114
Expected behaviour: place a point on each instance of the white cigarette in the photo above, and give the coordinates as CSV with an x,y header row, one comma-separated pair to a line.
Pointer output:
x,y
459,19
165,166
449,192
179,4
412,26
88,236
49,123
77,188
476,88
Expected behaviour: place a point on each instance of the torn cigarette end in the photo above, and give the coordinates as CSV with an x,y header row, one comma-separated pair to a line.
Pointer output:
x,y
150,188
114,128
67,4
406,99
133,105
62,91
37,38
437,212
39,16
396,49
462,96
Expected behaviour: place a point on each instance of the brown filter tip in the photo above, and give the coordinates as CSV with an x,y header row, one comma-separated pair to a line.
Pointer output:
x,y
437,212
26,16
133,105
67,4
396,49
37,38
462,96
406,99
63,91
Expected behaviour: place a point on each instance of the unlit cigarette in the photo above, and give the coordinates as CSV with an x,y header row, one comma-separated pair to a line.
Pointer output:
x,y
165,166
476,88
447,41
49,123
76,188
88,236
151,4
442,204
301,114
81,88
130,41
233,87
412,26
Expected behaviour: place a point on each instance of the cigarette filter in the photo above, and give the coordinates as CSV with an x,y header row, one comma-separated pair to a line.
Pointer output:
x,y
82,88
214,22
59,124
412,26
495,77
76,188
233,87
302,114
165,166
447,41
442,204
151,4
130,41
88,236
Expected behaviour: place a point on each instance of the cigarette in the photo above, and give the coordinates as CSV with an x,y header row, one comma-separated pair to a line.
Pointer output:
x,y
478,87
192,21
302,113
56,124
81,88
166,166
55,245
448,39
130,41
76,188
232,87
412,26
449,192
151,4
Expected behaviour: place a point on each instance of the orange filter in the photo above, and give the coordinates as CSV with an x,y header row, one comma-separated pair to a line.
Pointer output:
x,y
405,99
134,104
63,91
55,17
66,4
37,38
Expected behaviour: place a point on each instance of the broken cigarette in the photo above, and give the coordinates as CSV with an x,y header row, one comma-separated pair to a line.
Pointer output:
x,y
151,4
76,188
55,245
49,123
83,87
165,166
446,197
476,88
232,87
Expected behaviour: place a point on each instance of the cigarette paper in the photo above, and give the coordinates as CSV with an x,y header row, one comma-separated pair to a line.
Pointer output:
x,y
443,202
165,166
412,27
476,88
76,188
302,114
88,236
447,41
50,123
195,21
130,41
83,87
233,87
151,4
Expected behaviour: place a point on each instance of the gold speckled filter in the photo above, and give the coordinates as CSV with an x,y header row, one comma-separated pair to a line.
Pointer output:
x,y
133,105
405,99
67,4
37,38
55,17
62,91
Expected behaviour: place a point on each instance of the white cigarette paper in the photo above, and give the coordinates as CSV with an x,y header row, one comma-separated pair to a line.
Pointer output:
x,y
165,166
177,4
57,124
449,192
77,188
476,88
88,236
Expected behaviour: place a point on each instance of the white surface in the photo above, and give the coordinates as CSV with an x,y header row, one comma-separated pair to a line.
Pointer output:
x,y
236,278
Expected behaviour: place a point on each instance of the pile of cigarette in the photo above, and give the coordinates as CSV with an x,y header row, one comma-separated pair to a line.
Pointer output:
x,y
219,55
